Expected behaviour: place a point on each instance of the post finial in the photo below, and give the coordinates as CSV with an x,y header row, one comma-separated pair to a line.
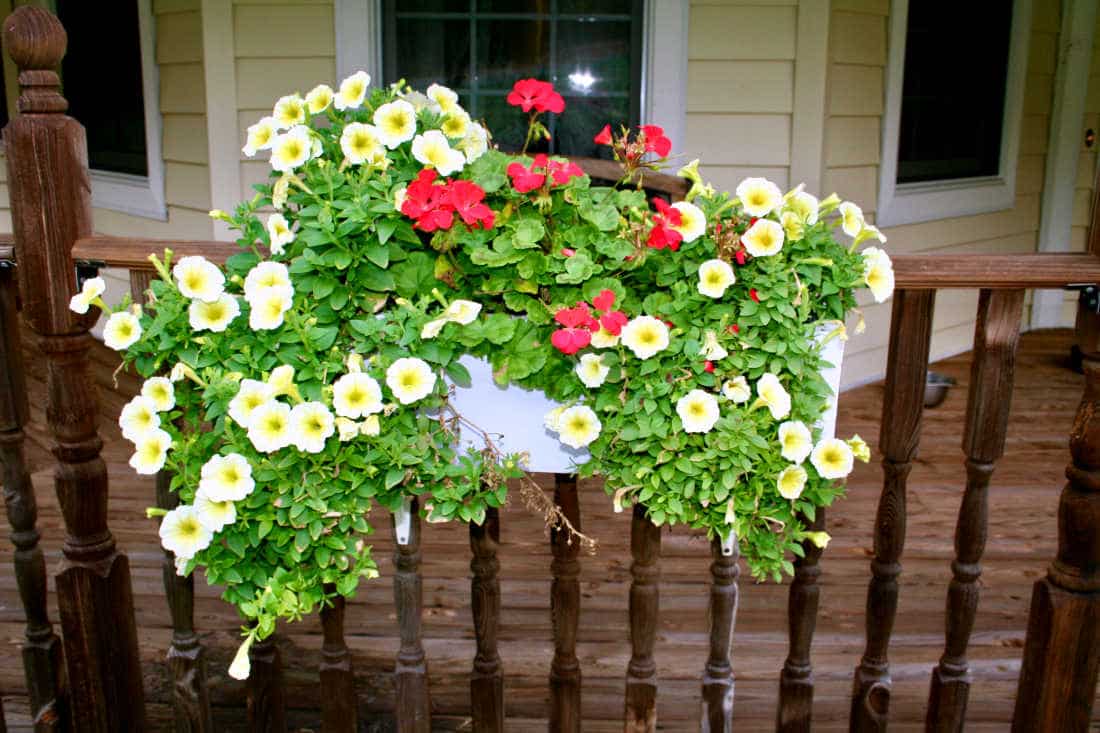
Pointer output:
x,y
35,39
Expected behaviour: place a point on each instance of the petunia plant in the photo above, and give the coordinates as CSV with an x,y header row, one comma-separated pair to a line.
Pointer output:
x,y
312,378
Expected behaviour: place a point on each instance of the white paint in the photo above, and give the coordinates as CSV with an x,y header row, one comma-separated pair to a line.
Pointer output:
x,y
665,68
512,417
359,38
220,78
1071,81
140,195
911,203
402,521
833,354
811,66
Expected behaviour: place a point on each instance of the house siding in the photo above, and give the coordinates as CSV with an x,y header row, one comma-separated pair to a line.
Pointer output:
x,y
855,93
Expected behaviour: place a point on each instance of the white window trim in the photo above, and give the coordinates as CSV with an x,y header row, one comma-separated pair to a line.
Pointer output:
x,y
664,56
910,203
139,195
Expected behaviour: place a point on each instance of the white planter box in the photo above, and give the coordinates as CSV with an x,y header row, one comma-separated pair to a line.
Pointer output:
x,y
513,415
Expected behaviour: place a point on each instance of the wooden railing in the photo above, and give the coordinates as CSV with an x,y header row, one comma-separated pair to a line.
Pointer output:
x,y
88,679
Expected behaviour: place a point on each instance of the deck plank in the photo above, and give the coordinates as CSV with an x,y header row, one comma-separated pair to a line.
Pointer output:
x,y
1023,500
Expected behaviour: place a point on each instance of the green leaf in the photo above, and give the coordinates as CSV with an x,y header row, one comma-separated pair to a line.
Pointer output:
x,y
499,328
374,278
529,232
459,374
415,275
393,477
578,268
384,229
378,254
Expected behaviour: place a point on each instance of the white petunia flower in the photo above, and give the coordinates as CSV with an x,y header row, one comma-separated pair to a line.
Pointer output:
x,y
289,111
268,309
319,98
790,482
714,277
346,429
362,143
432,149
759,196
281,380
463,312
455,125
138,418
444,98
832,458
161,391
792,225
578,426
795,441
475,143
352,91
592,371
851,219
431,329
860,450
269,427
356,395
805,205
410,379
183,534
370,426
92,289
291,149
121,330
878,273
250,395
396,123
197,277
227,478
150,451
645,336
712,350
736,390
764,238
260,136
214,515
278,232
311,424
698,411
267,276
552,420
773,396
693,224
215,316
604,339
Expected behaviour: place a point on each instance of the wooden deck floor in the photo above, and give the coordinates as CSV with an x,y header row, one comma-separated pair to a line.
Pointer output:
x,y
1021,541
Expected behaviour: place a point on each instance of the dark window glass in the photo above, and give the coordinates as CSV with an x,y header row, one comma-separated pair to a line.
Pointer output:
x,y
589,49
953,95
101,75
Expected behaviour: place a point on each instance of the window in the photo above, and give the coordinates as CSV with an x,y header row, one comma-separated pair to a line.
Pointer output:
x,y
953,107
590,49
109,78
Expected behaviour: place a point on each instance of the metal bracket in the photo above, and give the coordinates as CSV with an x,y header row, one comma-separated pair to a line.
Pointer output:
x,y
402,522
1088,295
729,540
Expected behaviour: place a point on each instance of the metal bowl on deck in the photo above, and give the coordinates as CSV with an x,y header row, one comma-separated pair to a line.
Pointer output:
x,y
936,387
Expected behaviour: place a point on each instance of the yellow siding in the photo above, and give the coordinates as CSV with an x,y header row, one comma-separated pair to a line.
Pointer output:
x,y
741,88
280,47
858,51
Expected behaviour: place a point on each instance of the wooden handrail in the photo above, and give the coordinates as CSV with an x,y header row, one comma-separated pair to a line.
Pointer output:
x,y
911,272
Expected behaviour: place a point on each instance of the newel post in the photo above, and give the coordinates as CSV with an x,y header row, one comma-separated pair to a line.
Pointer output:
x,y
51,208
1062,651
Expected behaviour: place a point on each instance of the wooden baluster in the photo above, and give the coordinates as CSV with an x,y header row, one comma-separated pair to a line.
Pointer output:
x,y
718,674
51,209
641,673
565,608
266,693
796,681
487,678
42,660
339,712
902,406
186,659
1062,651
996,336
414,708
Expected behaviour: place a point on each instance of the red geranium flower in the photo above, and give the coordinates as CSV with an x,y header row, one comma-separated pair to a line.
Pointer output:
x,y
466,198
525,179
540,95
604,136
739,255
655,140
663,235
577,333
561,171
708,366
753,295
610,320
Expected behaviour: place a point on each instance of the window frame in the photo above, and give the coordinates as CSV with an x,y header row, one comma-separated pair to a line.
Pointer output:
x,y
912,203
123,192
664,56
